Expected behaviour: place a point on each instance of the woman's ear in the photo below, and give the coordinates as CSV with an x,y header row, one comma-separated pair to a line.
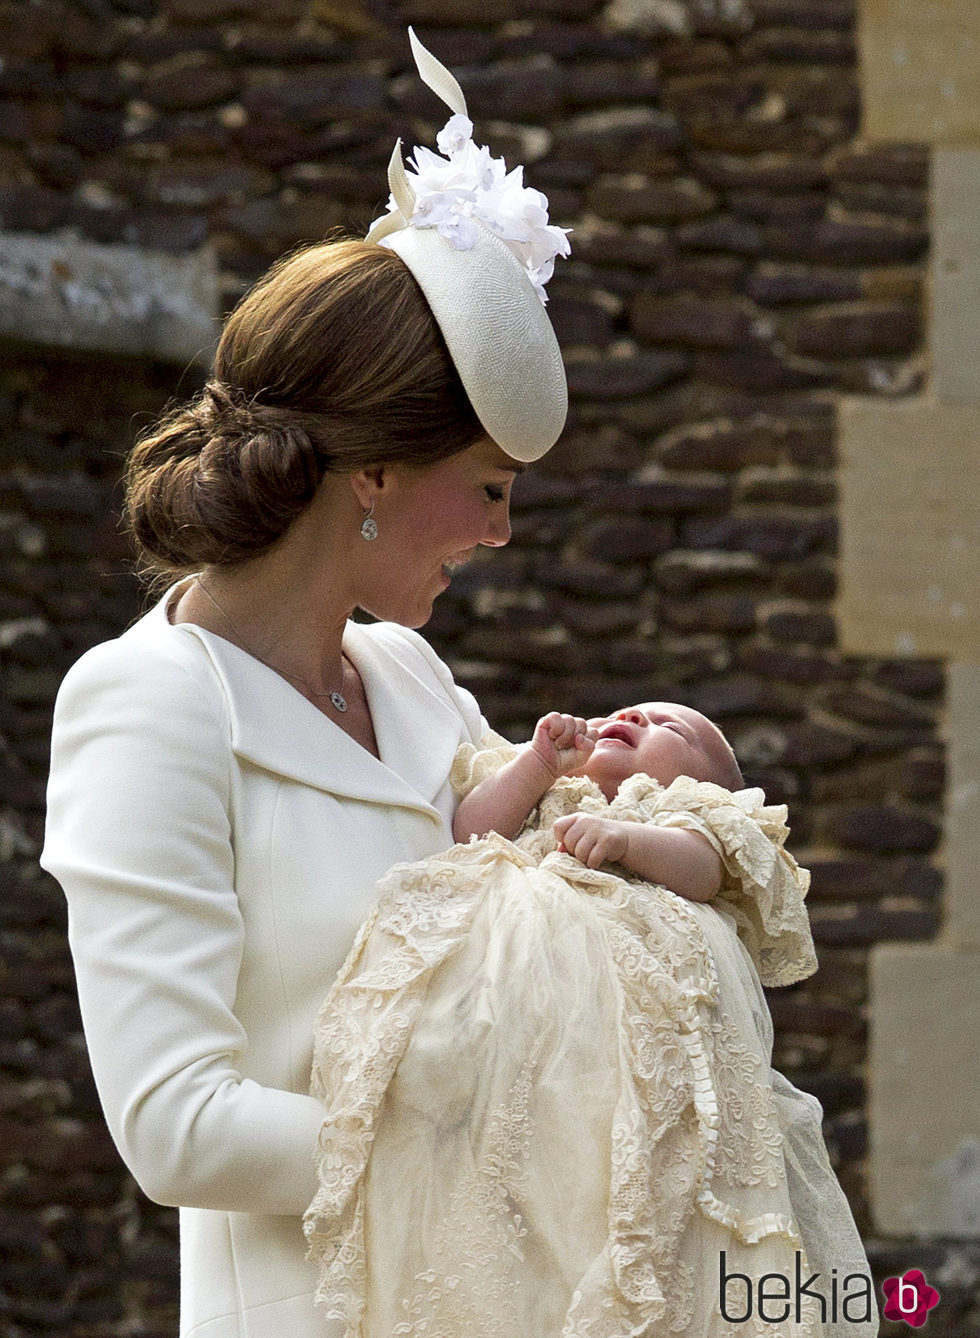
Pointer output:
x,y
367,483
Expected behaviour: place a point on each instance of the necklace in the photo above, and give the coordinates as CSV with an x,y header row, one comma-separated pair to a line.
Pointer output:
x,y
337,699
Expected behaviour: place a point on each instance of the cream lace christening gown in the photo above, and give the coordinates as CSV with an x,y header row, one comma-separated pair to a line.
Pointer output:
x,y
551,1110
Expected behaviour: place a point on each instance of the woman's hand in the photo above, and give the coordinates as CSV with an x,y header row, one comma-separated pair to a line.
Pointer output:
x,y
562,743
591,840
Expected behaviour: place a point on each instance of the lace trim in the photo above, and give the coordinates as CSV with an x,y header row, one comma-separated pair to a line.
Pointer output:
x,y
686,1082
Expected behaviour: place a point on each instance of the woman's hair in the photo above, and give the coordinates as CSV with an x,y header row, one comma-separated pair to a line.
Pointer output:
x,y
331,363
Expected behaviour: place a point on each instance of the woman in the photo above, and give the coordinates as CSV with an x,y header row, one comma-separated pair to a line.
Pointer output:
x,y
232,776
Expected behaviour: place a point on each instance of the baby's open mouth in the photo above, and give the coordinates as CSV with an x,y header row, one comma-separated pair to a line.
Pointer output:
x,y
617,731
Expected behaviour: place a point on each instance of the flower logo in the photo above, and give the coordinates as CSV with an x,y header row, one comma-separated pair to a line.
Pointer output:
x,y
909,1298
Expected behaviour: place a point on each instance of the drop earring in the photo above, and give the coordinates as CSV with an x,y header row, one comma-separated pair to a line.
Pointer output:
x,y
369,526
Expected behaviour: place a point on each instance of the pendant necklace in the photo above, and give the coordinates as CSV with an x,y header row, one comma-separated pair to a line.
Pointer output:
x,y
337,699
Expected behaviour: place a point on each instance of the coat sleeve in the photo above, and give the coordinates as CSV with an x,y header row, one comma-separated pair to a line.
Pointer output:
x,y
139,836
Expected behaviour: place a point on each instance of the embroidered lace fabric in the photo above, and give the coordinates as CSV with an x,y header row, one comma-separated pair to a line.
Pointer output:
x,y
550,1104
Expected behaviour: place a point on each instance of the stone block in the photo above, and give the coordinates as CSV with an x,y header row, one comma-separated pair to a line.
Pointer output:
x,y
851,241
963,806
925,1152
800,47
691,321
920,77
65,292
910,580
885,828
857,330
640,199
955,271
622,377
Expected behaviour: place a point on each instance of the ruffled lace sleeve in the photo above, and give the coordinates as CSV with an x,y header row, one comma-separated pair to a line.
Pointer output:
x,y
764,888
473,764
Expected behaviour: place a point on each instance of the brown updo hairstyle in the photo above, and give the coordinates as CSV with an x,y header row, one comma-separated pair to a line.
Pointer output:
x,y
331,363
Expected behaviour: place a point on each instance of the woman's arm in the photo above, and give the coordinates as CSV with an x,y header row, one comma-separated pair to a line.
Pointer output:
x,y
139,835
683,861
504,801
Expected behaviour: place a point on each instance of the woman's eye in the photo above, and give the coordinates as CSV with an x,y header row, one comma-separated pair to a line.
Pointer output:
x,y
494,494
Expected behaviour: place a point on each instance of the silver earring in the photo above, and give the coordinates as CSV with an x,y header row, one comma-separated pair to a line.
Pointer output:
x,y
369,526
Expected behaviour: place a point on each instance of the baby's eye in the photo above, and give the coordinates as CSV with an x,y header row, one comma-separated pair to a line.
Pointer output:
x,y
494,492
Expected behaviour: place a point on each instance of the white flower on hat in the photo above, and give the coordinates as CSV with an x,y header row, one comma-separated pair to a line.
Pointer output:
x,y
463,183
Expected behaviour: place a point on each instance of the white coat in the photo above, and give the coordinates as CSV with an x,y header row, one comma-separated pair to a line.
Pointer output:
x,y
219,840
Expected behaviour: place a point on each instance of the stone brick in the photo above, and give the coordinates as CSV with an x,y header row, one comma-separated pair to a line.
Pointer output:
x,y
31,208
639,199
653,492
721,444
871,924
617,133
579,321
781,487
858,330
850,242
761,368
874,707
776,284
884,828
810,743
312,97
605,82
721,233
204,183
603,243
805,625
592,620
590,577
849,879
30,118
918,678
681,572
923,775
700,274
743,695
795,666
775,173
690,321
793,1014
819,14
904,165
813,579
627,539
871,198
801,47
613,378
711,613
778,211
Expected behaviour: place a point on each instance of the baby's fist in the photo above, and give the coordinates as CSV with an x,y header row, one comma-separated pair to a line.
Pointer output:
x,y
591,840
562,743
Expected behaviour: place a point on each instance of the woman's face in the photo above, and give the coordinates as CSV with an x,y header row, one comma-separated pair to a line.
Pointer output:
x,y
431,521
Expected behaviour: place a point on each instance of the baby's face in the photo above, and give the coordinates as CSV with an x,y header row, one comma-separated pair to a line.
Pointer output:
x,y
661,739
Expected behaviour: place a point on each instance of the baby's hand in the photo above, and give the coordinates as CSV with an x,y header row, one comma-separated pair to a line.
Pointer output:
x,y
562,743
591,840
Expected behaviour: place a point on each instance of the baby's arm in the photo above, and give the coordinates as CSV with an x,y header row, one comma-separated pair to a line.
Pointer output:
x,y
673,857
504,801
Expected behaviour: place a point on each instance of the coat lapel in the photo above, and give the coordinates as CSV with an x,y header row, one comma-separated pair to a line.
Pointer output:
x,y
276,728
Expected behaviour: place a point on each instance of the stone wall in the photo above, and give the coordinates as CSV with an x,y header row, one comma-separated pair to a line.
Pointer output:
x,y
741,260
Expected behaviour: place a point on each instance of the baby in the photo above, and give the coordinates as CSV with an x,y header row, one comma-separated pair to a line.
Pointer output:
x,y
659,739
546,1063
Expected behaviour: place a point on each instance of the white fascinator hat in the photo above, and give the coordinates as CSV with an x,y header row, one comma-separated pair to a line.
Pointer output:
x,y
479,245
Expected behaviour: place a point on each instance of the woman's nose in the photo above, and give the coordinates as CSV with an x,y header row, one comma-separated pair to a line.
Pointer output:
x,y
498,527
